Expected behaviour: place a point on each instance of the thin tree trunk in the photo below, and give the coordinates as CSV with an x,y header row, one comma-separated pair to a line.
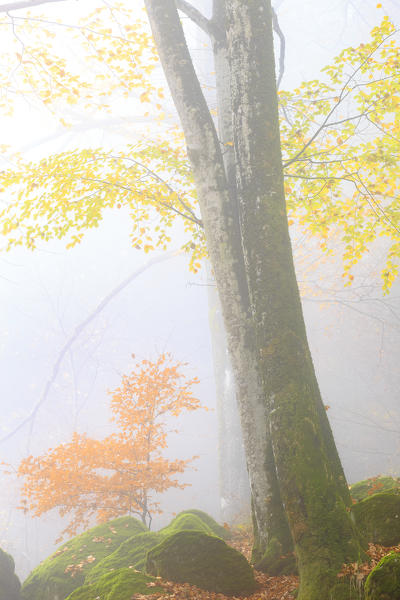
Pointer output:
x,y
234,490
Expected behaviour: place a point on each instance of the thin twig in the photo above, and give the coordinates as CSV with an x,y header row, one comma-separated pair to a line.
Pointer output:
x,y
157,177
77,332
342,96
26,4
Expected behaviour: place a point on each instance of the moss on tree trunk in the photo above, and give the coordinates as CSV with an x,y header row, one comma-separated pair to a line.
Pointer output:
x,y
311,480
254,271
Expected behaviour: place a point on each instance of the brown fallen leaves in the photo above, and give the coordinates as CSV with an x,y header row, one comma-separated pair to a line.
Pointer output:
x,y
269,588
360,571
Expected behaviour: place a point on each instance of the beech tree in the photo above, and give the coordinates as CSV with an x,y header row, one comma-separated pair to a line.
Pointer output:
x,y
299,493
291,455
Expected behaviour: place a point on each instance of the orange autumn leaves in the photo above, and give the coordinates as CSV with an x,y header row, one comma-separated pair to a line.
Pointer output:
x,y
119,474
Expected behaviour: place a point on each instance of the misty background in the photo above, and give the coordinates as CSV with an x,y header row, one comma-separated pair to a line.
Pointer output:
x,y
45,295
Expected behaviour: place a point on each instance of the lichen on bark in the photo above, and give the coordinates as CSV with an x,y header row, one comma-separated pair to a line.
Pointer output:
x,y
248,240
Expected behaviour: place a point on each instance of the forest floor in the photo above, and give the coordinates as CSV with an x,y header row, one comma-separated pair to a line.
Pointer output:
x,y
269,588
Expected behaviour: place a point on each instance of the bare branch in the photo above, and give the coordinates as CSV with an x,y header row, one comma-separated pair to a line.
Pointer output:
x,y
25,4
279,32
75,335
194,15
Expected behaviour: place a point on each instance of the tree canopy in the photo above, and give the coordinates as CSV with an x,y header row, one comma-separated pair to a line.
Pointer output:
x,y
340,141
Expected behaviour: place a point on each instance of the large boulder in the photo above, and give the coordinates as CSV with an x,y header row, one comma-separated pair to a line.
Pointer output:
x,y
373,485
66,569
121,584
131,553
383,583
215,527
9,582
203,560
378,518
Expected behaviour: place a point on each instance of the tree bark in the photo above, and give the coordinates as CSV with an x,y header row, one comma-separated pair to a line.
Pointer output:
x,y
311,479
252,262
219,215
234,490
269,520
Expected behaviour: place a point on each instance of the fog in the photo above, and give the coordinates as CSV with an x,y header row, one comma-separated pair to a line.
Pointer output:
x,y
52,297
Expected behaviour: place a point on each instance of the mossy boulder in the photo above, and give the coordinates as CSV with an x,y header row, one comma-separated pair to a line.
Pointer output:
x,y
378,518
131,553
186,522
373,485
9,582
383,583
211,523
66,569
203,560
120,584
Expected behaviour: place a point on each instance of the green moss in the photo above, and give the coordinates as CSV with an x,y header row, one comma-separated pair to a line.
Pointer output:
x,y
186,521
378,517
313,487
215,527
131,553
85,592
367,487
383,583
202,560
66,569
346,589
9,582
279,542
274,563
120,584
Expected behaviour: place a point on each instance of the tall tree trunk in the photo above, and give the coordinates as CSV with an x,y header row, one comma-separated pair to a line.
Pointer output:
x,y
265,330
311,479
271,534
233,476
219,214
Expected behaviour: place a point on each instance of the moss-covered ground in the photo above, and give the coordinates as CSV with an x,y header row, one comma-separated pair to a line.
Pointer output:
x,y
203,560
66,569
132,553
112,579
121,584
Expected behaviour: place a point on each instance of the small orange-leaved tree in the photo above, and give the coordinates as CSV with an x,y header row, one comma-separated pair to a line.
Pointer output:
x,y
87,478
